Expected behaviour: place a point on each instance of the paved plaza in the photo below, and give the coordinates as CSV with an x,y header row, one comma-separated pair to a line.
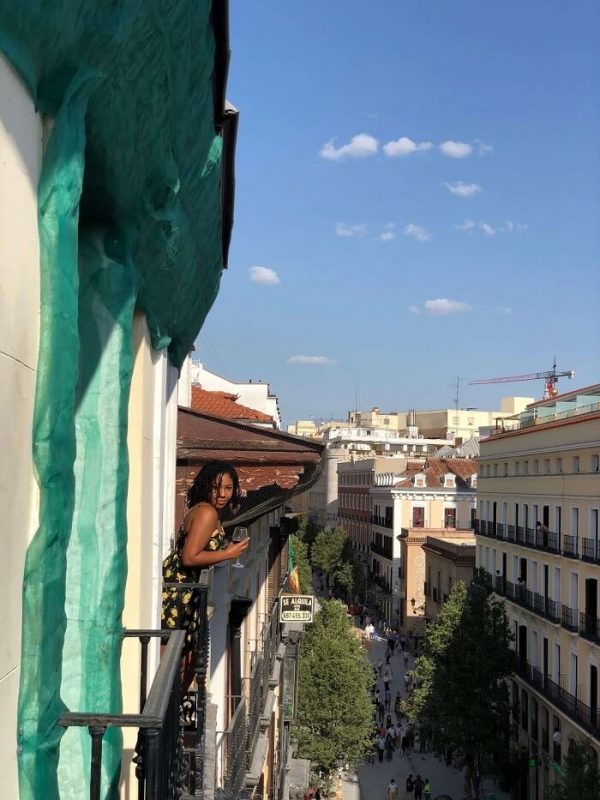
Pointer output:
x,y
371,780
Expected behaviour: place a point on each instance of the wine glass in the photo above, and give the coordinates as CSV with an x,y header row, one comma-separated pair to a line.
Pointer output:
x,y
239,534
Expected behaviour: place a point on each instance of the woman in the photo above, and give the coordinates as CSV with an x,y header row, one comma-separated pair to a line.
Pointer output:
x,y
201,543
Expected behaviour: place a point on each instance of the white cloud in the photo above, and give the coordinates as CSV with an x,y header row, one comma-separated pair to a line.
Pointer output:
x,y
418,232
264,275
467,226
483,149
360,146
504,311
461,189
456,149
320,360
488,230
341,229
515,227
405,147
386,236
441,306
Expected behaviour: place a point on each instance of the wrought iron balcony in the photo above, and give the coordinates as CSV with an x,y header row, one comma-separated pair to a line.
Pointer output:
x,y
383,522
570,619
589,627
520,594
234,750
569,547
159,757
385,550
546,540
590,551
574,708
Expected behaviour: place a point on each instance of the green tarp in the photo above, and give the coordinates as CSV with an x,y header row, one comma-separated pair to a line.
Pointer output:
x,y
129,217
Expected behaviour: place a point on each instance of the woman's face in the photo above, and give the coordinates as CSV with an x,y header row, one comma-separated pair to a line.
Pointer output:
x,y
222,491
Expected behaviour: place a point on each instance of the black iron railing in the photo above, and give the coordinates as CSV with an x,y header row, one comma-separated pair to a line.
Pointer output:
x,y
590,550
578,711
383,550
159,749
520,594
569,618
235,738
589,627
569,547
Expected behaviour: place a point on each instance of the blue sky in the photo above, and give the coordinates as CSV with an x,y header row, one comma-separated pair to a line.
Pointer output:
x,y
457,235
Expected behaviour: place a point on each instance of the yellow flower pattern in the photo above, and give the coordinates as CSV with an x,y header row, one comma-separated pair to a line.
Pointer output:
x,y
179,606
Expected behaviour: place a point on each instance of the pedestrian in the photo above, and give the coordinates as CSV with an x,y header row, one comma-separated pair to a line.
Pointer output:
x,y
405,657
380,747
419,788
389,745
377,695
379,667
388,655
410,788
387,673
392,790
388,722
380,710
387,699
404,745
427,790
403,642
397,736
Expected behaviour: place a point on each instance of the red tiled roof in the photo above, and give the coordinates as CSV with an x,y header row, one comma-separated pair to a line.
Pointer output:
x,y
435,469
223,404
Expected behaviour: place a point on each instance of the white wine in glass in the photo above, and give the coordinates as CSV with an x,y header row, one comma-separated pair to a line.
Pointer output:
x,y
239,534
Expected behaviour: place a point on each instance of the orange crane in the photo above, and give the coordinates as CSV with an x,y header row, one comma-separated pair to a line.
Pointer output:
x,y
550,379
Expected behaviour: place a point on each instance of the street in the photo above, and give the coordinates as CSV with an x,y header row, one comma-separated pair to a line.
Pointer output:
x,y
371,780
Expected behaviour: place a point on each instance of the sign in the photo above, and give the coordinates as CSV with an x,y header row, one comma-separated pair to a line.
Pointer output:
x,y
296,608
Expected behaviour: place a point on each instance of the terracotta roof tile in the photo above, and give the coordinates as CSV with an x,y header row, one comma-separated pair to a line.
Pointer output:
x,y
223,404
435,469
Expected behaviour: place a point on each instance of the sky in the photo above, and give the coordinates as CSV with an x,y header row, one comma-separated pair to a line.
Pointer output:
x,y
417,199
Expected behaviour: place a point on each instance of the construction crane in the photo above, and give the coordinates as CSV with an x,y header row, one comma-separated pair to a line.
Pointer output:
x,y
550,379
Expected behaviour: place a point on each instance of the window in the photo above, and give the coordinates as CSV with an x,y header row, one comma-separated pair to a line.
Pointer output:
x,y
547,466
517,467
449,518
559,466
386,421
536,467
526,468
595,463
418,517
495,470
575,463
505,469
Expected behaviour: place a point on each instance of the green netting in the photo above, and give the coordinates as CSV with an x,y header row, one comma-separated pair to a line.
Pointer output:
x,y
132,152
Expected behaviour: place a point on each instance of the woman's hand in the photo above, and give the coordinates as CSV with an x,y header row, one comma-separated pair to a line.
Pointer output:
x,y
235,549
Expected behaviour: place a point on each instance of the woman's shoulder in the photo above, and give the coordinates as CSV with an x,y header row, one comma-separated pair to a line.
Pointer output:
x,y
202,511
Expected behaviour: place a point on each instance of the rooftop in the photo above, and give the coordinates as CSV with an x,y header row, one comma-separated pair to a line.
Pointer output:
x,y
223,404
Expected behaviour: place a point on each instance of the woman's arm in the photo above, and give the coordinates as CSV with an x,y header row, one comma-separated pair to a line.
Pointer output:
x,y
202,526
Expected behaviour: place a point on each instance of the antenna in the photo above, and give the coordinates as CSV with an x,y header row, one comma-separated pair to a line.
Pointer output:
x,y
457,393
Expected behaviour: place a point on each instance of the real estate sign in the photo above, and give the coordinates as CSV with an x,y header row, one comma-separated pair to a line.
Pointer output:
x,y
296,608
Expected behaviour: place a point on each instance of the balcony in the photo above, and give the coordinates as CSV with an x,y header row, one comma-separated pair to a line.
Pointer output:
x,y
569,548
383,522
570,619
590,550
545,540
383,550
532,601
589,627
585,716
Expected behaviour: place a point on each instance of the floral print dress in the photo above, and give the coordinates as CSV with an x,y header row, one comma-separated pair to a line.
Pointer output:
x,y
180,605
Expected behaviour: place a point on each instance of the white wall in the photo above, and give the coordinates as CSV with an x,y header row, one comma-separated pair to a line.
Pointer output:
x,y
152,443
20,164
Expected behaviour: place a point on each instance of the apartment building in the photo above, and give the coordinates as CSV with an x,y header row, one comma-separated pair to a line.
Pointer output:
x,y
537,536
448,558
436,498
461,424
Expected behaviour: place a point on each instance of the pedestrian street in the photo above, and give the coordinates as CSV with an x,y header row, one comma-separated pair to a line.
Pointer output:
x,y
371,780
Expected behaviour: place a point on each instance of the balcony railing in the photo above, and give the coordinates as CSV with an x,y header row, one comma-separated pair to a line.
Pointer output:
x,y
383,522
590,550
158,751
570,618
540,605
549,541
383,550
235,738
589,627
569,547
581,713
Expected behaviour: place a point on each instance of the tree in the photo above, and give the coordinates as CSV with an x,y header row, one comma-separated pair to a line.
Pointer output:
x,y
461,700
308,533
343,578
301,561
580,778
327,549
334,709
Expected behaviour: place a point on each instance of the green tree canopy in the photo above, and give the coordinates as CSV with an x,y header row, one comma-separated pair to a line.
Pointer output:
x,y
301,560
580,778
327,549
308,531
461,699
335,714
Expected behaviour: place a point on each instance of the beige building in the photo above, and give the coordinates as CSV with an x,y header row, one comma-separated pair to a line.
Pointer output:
x,y
538,530
375,418
303,427
438,495
448,558
465,423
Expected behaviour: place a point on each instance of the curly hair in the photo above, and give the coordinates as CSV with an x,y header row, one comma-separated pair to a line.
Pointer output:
x,y
209,478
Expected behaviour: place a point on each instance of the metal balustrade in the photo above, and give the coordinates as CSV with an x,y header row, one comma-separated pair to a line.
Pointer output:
x,y
569,547
590,550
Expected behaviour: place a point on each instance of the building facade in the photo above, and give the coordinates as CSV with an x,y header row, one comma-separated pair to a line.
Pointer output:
x,y
538,537
436,498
